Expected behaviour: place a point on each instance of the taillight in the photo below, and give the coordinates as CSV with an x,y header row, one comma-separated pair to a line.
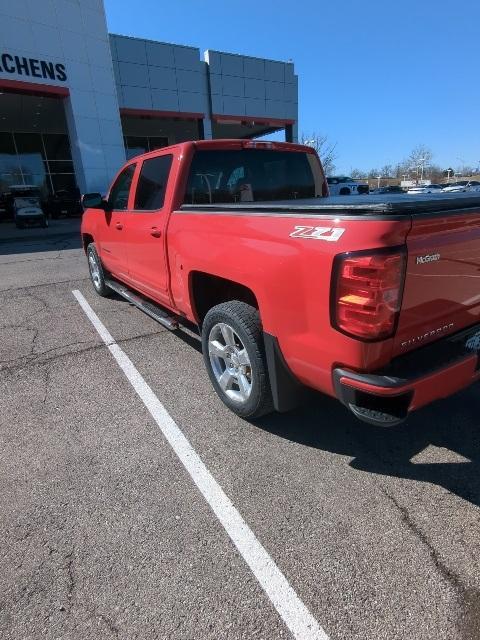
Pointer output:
x,y
367,293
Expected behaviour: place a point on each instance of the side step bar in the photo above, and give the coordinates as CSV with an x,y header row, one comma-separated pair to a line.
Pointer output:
x,y
147,306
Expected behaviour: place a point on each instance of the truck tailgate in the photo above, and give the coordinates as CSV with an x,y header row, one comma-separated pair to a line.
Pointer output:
x,y
442,284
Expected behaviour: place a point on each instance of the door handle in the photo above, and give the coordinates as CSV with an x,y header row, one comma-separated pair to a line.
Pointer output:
x,y
119,226
156,233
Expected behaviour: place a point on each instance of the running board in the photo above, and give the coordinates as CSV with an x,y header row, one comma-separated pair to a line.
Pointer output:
x,y
147,306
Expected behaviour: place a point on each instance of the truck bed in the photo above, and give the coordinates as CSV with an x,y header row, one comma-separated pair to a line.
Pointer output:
x,y
351,205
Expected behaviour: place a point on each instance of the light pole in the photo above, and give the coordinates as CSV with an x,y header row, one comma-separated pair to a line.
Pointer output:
x,y
378,181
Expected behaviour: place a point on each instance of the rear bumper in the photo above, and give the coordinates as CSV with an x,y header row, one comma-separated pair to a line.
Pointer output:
x,y
414,380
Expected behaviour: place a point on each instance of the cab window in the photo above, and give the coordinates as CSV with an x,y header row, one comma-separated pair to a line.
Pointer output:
x,y
152,183
118,198
252,175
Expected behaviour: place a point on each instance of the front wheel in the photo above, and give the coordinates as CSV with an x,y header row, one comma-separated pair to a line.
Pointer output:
x,y
96,272
234,356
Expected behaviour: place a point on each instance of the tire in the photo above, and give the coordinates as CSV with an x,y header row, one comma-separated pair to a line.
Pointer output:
x,y
44,223
19,225
232,337
345,191
96,272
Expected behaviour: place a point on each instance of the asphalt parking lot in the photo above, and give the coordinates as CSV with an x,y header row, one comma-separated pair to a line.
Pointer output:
x,y
105,535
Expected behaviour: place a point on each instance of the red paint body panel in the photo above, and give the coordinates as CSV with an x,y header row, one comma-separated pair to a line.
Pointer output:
x,y
291,276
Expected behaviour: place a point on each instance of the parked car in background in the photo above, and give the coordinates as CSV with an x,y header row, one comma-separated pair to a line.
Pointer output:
x,y
426,188
462,185
392,188
64,203
345,186
474,185
24,204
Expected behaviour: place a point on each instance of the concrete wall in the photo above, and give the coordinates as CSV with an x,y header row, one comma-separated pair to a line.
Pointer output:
x,y
158,76
72,33
166,77
242,85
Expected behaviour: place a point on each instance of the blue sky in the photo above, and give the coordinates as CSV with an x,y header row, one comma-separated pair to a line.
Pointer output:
x,y
377,77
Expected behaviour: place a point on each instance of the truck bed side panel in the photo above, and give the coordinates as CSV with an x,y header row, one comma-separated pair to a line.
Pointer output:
x,y
290,277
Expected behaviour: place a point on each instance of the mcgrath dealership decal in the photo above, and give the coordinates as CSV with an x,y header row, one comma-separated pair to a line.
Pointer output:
x,y
329,234
32,68
435,257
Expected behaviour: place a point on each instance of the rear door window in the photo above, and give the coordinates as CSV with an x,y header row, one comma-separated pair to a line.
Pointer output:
x,y
152,183
118,198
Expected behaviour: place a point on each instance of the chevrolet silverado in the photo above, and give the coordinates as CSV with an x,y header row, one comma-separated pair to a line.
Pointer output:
x,y
372,300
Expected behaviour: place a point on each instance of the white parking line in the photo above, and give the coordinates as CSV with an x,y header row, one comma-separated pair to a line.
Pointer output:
x,y
289,606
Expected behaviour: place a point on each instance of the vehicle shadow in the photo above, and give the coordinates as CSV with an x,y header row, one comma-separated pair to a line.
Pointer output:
x,y
452,424
40,244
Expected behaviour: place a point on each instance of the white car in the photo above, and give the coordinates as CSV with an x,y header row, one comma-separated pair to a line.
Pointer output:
x,y
345,186
27,206
426,188
462,185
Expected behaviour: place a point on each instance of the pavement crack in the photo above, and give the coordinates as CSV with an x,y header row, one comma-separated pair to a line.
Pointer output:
x,y
34,359
47,385
110,624
469,598
71,577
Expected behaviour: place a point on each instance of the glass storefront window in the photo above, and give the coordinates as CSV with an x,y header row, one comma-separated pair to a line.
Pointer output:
x,y
31,155
43,160
60,166
136,145
9,167
157,143
57,146
64,182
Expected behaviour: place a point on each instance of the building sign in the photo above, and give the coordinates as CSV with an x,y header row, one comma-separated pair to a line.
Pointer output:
x,y
32,68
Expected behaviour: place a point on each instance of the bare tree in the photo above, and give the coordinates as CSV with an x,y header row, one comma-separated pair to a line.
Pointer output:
x,y
357,174
324,148
419,159
386,171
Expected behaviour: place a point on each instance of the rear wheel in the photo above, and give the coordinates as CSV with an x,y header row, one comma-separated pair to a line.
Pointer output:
x,y
234,356
345,191
96,272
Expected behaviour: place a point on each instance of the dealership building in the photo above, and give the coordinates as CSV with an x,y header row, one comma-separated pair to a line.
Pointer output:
x,y
76,101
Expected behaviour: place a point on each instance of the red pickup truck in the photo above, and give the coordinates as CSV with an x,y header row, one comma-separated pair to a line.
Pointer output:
x,y
374,300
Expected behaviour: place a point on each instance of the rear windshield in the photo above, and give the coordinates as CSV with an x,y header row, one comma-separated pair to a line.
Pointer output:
x,y
252,175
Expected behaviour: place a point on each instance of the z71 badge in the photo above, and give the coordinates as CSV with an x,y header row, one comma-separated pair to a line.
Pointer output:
x,y
329,234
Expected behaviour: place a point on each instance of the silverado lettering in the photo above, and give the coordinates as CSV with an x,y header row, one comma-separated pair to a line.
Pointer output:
x,y
276,315
430,334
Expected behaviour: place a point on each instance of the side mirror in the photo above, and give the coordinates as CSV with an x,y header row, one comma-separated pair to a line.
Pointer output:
x,y
93,201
